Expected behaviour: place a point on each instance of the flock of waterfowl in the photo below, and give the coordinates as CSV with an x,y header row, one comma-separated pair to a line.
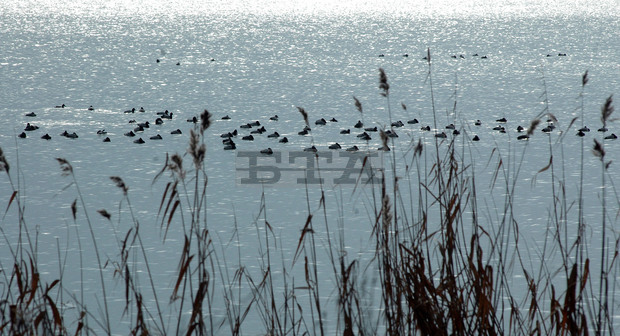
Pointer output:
x,y
251,130
358,132
136,128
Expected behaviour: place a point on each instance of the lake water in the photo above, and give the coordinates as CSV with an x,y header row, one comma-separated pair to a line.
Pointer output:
x,y
251,61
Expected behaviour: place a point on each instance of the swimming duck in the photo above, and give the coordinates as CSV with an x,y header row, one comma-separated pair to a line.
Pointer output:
x,y
478,122
230,146
548,129
475,138
107,139
370,129
254,123
248,138
141,109
398,124
352,149
133,110
31,114
274,118
159,121
456,132
46,137
584,129
335,146
91,108
284,140
311,149
413,121
60,106
364,136
451,126
22,135
523,137
273,135
130,134
501,120
603,129
259,131
359,124
320,122
193,120
72,135
384,148
345,131
30,127
303,132
611,137
267,151
101,132
156,137
167,115
441,135
226,117
425,128
520,128
391,134
139,141
245,126
176,131
333,120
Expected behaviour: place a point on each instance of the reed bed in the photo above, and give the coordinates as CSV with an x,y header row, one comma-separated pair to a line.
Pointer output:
x,y
442,263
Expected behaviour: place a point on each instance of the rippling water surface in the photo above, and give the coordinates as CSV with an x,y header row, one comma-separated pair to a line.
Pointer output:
x,y
251,61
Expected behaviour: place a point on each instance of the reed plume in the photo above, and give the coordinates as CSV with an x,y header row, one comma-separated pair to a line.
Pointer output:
x,y
205,121
304,114
120,184
533,125
383,84
196,149
4,164
358,105
65,167
584,79
607,110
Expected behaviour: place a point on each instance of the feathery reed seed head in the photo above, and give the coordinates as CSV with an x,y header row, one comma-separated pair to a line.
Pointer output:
x,y
598,150
65,167
403,106
196,149
533,125
104,213
384,138
584,79
607,110
418,148
205,120
120,184
383,84
358,105
4,164
304,114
